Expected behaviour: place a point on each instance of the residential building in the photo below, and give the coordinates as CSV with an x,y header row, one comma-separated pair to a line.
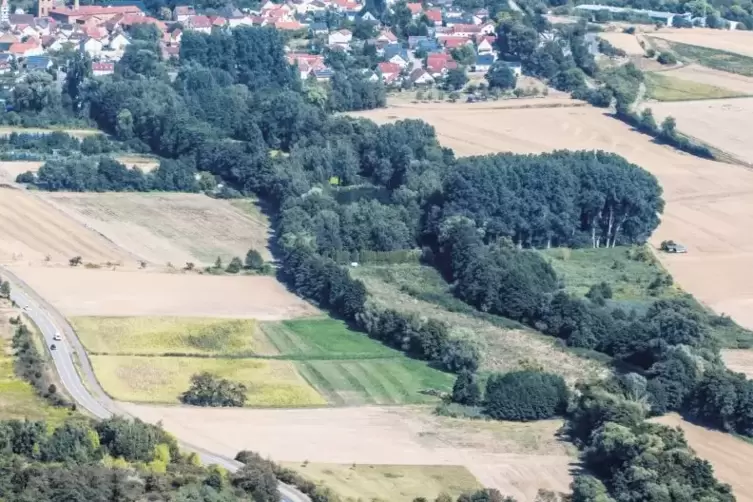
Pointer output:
x,y
318,28
4,12
420,77
102,68
182,12
415,9
483,62
341,38
94,13
199,23
44,7
91,46
37,63
434,15
389,71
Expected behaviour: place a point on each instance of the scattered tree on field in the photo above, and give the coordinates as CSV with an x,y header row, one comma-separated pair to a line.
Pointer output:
x,y
210,390
254,260
75,261
234,266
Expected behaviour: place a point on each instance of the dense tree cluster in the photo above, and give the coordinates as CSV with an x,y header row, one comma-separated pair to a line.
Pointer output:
x,y
103,173
525,395
115,460
558,199
627,458
210,390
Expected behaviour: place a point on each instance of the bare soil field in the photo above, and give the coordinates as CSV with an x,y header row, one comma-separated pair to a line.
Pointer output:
x,y
9,169
515,458
91,292
709,204
739,360
31,230
166,228
724,124
625,41
703,75
729,455
737,41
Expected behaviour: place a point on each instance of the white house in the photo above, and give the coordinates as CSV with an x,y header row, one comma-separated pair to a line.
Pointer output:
x,y
488,28
400,60
91,46
118,42
420,77
485,47
340,37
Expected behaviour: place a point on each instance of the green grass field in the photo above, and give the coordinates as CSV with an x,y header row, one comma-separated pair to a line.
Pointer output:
x,y
322,338
665,88
375,381
398,483
714,58
629,277
270,383
160,335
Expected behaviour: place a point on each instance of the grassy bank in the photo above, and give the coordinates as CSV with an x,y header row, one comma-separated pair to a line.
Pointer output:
x,y
662,87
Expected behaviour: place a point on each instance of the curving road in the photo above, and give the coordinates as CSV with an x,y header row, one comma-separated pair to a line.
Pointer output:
x,y
81,384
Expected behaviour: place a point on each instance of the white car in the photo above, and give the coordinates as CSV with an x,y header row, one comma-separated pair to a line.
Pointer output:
x,y
57,337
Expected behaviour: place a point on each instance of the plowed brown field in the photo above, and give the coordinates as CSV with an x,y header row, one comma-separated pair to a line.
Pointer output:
x,y
709,204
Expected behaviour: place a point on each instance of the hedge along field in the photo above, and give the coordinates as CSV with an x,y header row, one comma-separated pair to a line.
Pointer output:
x,y
270,383
176,335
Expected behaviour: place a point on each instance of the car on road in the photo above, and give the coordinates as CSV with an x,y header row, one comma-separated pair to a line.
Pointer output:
x,y
52,347
57,337
27,308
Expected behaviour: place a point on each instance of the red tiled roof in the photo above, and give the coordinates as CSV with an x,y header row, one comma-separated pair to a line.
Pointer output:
x,y
199,21
386,68
415,8
434,15
94,10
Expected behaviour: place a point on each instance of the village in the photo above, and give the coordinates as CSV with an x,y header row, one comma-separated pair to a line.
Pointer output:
x,y
449,38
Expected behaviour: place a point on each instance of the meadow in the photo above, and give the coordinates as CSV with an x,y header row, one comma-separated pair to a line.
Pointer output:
x,y
663,87
307,362
399,483
504,344
270,383
714,58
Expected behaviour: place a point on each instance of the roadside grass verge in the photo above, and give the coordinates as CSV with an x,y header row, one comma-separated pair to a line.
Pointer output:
x,y
18,399
375,381
504,345
399,483
665,88
714,58
178,335
270,383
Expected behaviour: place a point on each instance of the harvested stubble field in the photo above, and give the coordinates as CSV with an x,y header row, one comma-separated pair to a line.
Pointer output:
x,y
516,458
728,455
176,335
87,292
708,203
739,360
703,75
625,41
9,169
31,230
144,162
731,62
270,383
166,228
740,42
420,289
399,483
724,124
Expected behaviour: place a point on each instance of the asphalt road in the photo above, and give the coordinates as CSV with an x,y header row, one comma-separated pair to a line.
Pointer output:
x,y
81,385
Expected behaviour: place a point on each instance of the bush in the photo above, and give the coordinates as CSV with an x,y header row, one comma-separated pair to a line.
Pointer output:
x,y
525,395
254,260
667,58
466,389
209,390
234,266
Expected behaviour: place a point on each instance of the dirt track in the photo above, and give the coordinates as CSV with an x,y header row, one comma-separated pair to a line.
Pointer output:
x,y
517,459
709,204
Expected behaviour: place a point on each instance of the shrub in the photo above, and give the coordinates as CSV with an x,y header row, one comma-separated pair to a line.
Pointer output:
x,y
234,266
209,390
254,260
466,389
667,58
525,395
